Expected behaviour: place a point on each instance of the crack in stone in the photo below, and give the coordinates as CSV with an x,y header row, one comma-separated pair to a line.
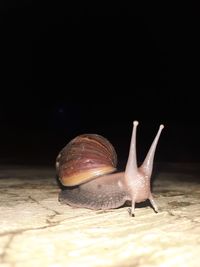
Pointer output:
x,y
48,221
6,247
52,216
49,217
21,231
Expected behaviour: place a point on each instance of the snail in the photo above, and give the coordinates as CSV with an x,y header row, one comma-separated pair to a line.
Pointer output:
x,y
86,167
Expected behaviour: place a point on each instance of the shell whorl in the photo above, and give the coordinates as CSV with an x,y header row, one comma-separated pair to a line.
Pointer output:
x,y
84,158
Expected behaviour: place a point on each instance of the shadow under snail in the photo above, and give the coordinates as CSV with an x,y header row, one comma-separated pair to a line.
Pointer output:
x,y
86,167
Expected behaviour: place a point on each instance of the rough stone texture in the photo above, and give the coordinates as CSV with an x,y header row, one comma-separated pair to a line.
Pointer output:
x,y
36,230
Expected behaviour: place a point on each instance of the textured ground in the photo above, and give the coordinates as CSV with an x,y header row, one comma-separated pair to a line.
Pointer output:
x,y
36,230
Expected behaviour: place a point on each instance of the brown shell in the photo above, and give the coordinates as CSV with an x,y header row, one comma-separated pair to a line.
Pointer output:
x,y
84,158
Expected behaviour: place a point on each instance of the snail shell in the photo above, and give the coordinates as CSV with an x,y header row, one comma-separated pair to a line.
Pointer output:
x,y
84,158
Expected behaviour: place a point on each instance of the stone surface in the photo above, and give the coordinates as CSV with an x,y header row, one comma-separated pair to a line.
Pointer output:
x,y
36,230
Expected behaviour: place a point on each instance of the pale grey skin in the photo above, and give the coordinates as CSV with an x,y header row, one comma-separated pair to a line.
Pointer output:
x,y
113,190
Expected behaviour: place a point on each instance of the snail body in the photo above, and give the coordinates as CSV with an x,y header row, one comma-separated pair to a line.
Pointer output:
x,y
86,167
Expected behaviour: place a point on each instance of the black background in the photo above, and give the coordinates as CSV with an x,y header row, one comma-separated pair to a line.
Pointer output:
x,y
67,70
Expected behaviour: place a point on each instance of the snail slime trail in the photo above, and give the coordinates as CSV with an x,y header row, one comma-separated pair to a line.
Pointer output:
x,y
86,167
